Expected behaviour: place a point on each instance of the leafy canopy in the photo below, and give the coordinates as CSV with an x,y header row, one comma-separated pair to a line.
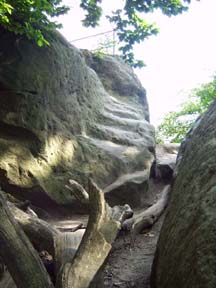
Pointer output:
x,y
129,24
33,17
176,124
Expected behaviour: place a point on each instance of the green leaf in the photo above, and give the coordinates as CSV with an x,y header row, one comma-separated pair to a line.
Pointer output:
x,y
176,124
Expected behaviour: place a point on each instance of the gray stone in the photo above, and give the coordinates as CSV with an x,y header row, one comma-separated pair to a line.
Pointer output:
x,y
186,250
163,167
65,117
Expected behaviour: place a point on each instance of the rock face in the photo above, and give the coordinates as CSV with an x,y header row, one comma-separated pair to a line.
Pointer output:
x,y
66,114
164,164
186,250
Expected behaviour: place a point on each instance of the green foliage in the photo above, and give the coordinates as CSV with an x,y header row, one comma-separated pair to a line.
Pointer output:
x,y
176,124
94,12
131,31
129,25
30,17
104,47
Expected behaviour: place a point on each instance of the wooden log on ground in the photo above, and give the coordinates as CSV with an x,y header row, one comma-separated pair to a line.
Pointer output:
x,y
18,254
40,233
95,245
148,217
71,229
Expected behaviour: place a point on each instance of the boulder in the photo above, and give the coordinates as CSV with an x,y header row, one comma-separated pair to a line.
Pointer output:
x,y
164,164
67,114
185,255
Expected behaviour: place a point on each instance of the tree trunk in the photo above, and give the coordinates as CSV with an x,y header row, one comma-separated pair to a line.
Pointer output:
x,y
18,254
23,262
148,217
95,245
40,233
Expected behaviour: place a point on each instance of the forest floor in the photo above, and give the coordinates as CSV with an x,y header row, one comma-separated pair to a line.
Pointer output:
x,y
130,261
129,264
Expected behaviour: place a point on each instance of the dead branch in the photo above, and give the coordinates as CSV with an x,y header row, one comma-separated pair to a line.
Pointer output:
x,y
78,191
148,217
95,245
18,254
40,233
71,229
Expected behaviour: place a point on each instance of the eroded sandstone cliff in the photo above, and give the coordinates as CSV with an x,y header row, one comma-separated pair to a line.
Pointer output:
x,y
66,114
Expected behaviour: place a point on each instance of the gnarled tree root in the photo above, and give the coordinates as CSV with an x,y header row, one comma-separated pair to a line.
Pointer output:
x,y
95,245
76,271
18,254
147,218
40,233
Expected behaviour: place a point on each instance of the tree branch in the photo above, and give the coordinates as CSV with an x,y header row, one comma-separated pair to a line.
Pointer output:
x,y
95,245
18,254
40,233
78,191
147,218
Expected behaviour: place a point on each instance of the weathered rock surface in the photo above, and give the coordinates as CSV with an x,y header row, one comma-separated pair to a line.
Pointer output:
x,y
59,120
164,164
186,250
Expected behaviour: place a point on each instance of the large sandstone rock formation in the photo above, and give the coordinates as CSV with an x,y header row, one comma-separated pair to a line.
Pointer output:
x,y
185,256
66,114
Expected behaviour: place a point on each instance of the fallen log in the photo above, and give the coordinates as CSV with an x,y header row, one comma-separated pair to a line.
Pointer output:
x,y
147,218
18,254
40,233
71,229
95,245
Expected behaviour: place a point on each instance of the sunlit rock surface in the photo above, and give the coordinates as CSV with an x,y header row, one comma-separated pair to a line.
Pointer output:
x,y
185,256
66,114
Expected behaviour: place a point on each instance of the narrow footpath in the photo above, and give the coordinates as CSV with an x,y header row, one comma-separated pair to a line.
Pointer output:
x,y
129,264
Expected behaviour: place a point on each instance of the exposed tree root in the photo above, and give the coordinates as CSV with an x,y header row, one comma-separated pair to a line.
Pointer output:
x,y
148,217
96,244
40,233
78,191
18,254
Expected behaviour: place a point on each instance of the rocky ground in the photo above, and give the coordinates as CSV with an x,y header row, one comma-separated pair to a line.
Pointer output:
x,y
129,264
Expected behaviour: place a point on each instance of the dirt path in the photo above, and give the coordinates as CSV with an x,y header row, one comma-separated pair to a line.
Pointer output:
x,y
129,264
